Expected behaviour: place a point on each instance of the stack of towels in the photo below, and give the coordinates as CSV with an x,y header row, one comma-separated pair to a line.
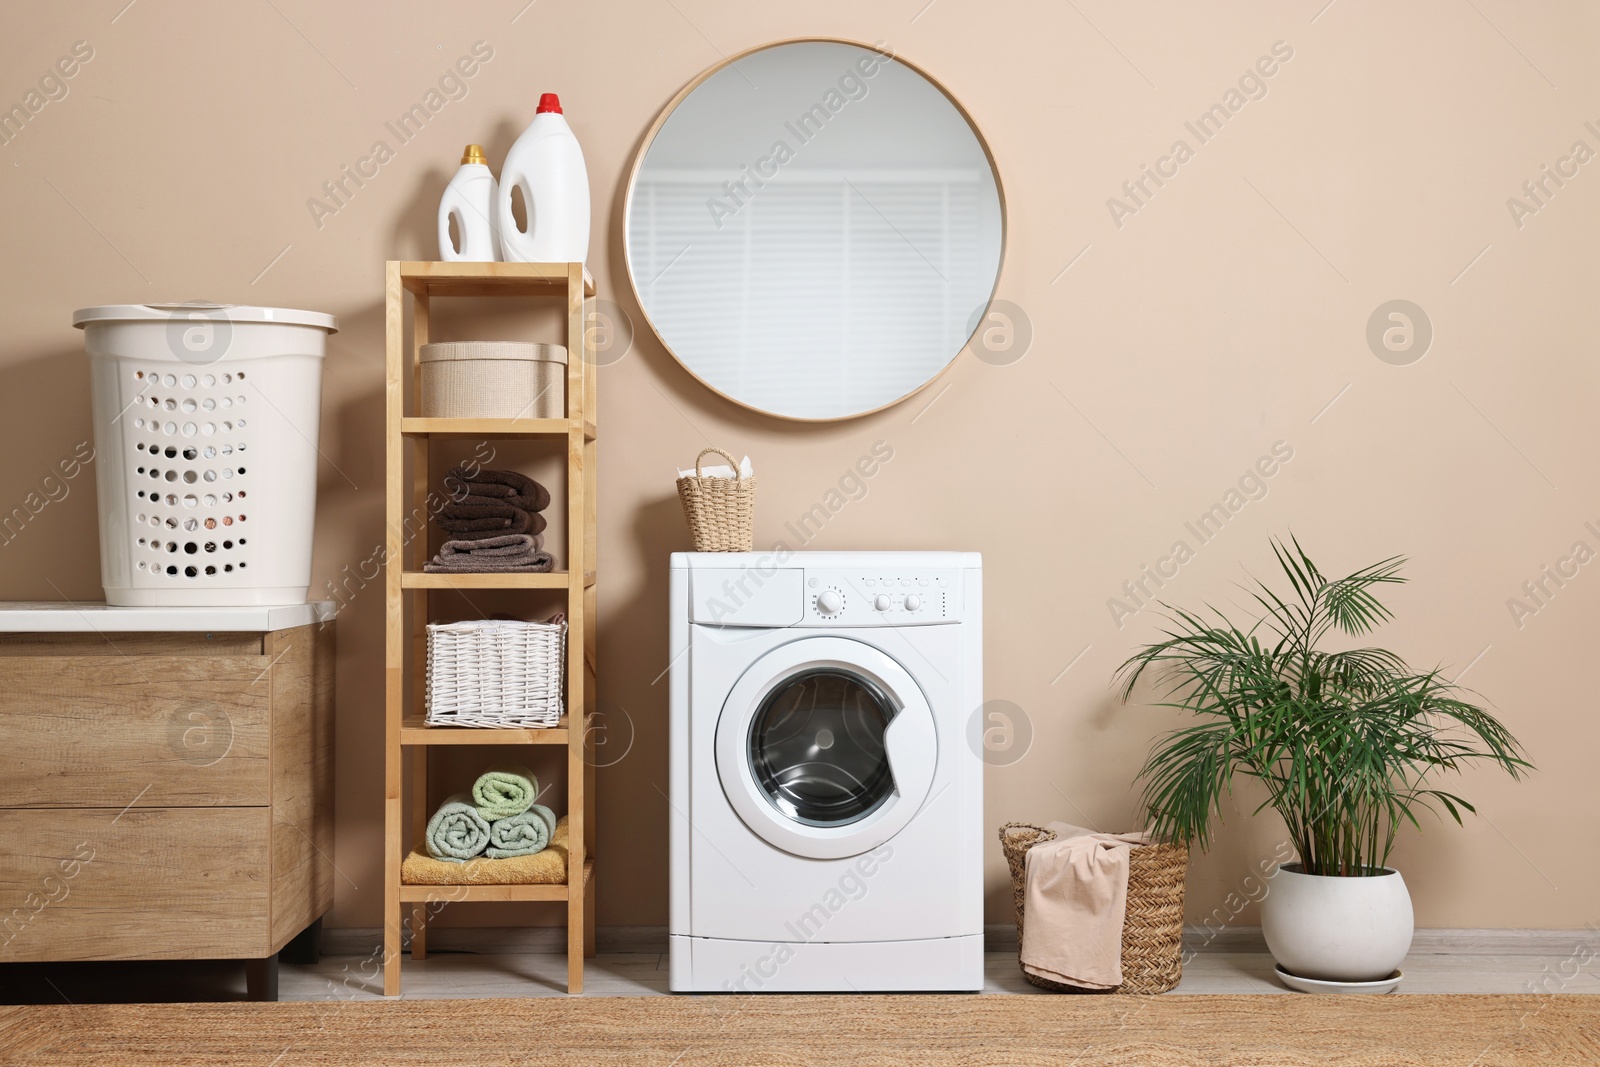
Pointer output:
x,y
493,524
498,820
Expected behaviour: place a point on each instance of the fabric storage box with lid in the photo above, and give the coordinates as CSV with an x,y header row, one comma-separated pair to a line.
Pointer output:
x,y
493,380
496,673
205,422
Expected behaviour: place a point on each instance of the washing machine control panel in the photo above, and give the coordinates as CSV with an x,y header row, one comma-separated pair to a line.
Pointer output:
x,y
884,597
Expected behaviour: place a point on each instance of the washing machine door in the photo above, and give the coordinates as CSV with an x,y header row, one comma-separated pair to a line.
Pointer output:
x,y
826,747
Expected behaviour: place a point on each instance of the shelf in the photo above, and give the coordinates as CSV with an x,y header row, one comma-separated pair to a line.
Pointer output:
x,y
492,428
547,580
464,892
489,279
410,744
414,730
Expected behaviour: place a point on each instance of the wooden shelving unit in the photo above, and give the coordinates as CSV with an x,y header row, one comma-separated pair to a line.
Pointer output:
x,y
407,737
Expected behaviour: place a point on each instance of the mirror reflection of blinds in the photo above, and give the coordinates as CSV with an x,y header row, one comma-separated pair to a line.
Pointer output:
x,y
869,281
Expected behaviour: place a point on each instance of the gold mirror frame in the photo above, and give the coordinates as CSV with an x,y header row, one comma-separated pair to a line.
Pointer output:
x,y
683,94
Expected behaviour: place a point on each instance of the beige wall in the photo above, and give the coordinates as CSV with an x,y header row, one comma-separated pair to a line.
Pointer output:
x,y
1220,318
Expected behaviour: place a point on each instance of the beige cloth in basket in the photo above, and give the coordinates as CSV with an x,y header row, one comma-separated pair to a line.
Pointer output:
x,y
1074,904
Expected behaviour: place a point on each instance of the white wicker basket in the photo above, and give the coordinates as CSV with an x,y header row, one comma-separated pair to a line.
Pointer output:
x,y
494,673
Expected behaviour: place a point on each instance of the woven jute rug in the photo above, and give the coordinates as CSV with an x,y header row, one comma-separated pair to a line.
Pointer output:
x,y
837,1031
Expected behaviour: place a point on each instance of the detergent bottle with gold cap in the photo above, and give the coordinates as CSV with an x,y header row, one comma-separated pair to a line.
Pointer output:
x,y
469,202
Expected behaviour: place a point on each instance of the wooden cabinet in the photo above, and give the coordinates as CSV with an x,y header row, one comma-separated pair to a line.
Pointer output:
x,y
92,730
148,883
163,795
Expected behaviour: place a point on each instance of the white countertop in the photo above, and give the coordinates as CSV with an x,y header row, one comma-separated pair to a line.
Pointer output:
x,y
95,617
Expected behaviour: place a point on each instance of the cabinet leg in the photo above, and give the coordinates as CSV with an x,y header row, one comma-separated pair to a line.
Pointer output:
x,y
306,947
261,978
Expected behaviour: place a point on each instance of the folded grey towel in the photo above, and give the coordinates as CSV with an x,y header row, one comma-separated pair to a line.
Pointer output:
x,y
490,547
509,486
474,563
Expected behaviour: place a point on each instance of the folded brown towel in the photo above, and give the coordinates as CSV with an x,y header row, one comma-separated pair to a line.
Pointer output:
x,y
474,509
458,484
479,500
463,521
508,486
473,535
473,563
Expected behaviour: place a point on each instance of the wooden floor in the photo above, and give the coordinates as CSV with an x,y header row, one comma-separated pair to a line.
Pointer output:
x,y
450,975
464,974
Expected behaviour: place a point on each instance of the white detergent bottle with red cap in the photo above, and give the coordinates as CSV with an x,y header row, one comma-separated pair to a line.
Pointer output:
x,y
469,203
546,165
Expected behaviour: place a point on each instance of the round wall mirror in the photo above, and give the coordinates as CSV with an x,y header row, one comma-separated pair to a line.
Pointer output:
x,y
814,229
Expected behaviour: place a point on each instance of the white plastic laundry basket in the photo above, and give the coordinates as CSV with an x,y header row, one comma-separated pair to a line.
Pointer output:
x,y
205,427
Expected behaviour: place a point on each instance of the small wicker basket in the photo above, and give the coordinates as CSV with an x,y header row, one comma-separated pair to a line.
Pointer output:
x,y
721,511
494,673
1152,932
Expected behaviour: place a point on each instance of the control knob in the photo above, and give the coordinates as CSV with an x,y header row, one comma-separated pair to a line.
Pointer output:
x,y
882,603
829,602
913,602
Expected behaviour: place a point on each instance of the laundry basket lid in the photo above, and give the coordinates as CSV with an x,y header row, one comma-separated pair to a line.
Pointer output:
x,y
222,312
525,351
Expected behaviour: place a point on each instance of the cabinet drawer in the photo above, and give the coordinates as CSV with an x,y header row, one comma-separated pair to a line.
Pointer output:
x,y
106,731
148,883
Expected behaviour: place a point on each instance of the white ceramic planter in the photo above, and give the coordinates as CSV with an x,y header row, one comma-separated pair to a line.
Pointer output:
x,y
1337,929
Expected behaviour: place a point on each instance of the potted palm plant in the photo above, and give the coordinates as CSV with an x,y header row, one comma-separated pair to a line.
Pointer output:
x,y
1350,745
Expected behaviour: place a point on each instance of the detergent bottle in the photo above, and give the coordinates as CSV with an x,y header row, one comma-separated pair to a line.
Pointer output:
x,y
469,199
547,165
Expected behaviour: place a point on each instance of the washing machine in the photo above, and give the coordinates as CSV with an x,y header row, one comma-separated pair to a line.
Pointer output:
x,y
826,807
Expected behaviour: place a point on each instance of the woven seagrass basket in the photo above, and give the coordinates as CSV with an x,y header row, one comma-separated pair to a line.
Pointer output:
x,y
1152,932
721,511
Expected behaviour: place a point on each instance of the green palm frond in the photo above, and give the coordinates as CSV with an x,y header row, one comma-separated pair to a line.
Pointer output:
x,y
1345,743
1351,604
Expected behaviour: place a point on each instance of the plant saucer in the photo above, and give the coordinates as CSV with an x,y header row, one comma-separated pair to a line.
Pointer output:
x,y
1319,985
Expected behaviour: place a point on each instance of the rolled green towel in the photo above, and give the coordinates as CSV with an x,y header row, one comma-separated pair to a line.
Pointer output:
x,y
521,835
457,832
504,790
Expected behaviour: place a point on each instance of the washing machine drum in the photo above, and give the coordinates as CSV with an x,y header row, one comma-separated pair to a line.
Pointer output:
x,y
826,747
